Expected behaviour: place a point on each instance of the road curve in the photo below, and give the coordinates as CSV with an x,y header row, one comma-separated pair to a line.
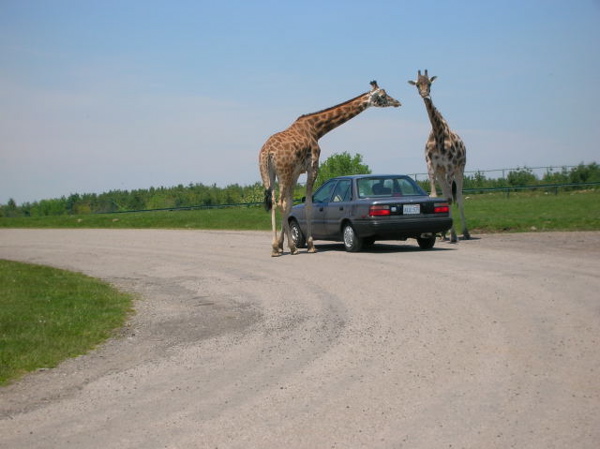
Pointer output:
x,y
488,343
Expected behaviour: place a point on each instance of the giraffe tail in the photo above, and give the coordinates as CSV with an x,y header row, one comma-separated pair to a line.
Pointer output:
x,y
454,191
268,199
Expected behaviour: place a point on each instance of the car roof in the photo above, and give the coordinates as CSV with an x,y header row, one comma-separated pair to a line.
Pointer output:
x,y
372,175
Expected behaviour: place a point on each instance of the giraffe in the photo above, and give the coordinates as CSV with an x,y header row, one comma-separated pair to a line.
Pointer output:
x,y
289,153
445,154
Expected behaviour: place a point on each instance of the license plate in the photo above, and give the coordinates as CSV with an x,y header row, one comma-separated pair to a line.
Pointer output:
x,y
411,209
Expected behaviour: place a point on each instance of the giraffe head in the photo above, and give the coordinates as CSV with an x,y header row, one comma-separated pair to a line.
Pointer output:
x,y
423,84
380,99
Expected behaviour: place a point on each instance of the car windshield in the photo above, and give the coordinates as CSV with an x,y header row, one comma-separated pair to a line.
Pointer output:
x,y
388,186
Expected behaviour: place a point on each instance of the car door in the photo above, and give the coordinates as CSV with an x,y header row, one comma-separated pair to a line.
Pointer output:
x,y
337,208
321,200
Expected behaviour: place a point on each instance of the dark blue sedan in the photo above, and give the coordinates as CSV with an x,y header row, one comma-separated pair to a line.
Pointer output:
x,y
360,209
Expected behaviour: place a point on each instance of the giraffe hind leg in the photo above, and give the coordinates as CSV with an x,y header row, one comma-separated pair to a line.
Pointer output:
x,y
276,245
310,181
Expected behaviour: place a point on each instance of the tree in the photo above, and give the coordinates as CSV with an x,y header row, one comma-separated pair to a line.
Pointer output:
x,y
521,177
340,165
585,173
10,210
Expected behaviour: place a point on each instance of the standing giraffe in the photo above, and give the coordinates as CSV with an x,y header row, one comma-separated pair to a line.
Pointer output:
x,y
445,154
289,153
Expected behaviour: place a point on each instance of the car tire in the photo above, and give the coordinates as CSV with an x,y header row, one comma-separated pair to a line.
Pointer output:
x,y
352,242
426,242
297,235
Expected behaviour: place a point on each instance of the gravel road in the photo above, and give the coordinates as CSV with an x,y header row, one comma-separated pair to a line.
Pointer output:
x,y
488,343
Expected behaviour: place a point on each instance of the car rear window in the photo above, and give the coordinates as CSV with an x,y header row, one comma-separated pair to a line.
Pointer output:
x,y
382,187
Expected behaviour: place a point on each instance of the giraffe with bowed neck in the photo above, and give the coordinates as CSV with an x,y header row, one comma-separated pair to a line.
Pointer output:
x,y
289,153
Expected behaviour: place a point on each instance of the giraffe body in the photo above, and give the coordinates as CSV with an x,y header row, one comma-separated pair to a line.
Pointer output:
x,y
445,154
289,153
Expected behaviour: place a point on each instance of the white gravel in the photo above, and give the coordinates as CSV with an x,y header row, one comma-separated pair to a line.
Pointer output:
x,y
488,343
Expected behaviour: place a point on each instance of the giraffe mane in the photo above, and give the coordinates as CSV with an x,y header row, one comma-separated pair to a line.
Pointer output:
x,y
332,107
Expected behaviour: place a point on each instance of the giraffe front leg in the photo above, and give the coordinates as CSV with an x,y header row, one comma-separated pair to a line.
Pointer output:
x,y
285,225
433,193
310,244
453,236
447,192
461,205
465,231
280,241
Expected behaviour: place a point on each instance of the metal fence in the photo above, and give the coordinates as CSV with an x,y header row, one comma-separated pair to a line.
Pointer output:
x,y
499,173
551,188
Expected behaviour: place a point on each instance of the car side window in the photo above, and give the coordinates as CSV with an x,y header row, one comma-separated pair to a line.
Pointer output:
x,y
324,193
342,191
408,187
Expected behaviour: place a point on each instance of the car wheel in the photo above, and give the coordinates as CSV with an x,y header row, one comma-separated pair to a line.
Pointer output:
x,y
426,242
352,242
297,235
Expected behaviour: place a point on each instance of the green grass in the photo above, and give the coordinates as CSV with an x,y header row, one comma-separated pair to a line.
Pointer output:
x,y
239,218
532,211
485,213
48,315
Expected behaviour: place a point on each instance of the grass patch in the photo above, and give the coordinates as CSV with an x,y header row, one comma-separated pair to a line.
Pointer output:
x,y
532,211
48,315
485,212
234,218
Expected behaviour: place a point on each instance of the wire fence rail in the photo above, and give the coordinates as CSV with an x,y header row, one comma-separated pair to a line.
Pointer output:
x,y
499,173
554,188
197,207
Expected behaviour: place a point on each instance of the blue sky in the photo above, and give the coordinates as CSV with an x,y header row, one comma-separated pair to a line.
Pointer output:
x,y
105,95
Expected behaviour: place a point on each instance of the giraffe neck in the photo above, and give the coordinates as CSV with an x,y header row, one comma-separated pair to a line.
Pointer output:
x,y
438,123
324,121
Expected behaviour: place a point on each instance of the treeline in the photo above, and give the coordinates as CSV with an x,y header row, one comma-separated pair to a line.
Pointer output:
x,y
525,177
200,195
581,174
192,195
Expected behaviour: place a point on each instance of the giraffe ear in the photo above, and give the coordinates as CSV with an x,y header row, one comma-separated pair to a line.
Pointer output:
x,y
412,82
432,79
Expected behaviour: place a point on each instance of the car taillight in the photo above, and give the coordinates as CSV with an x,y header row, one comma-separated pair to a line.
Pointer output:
x,y
379,211
441,208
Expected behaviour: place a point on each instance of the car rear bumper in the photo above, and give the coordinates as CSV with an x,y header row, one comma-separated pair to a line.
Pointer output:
x,y
401,228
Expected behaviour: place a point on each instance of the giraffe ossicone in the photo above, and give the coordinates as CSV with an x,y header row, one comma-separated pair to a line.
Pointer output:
x,y
445,154
295,150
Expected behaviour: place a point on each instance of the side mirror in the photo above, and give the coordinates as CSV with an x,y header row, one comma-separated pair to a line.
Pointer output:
x,y
303,199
